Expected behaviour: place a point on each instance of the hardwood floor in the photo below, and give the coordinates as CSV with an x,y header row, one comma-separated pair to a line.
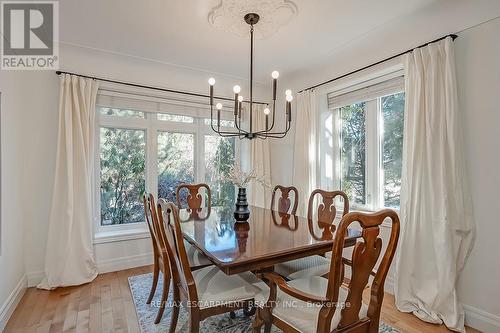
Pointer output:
x,y
106,305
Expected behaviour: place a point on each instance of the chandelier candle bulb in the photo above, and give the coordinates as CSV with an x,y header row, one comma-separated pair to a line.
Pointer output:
x,y
266,112
288,92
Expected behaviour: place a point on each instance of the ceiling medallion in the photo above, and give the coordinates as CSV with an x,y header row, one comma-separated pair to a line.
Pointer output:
x,y
273,15
251,19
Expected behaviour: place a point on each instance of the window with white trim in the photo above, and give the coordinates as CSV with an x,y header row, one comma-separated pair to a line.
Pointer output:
x,y
361,142
155,146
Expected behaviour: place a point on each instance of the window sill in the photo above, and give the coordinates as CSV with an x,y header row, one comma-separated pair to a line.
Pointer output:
x,y
112,236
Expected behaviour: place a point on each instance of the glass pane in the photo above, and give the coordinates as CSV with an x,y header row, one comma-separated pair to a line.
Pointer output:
x,y
175,162
392,152
123,155
223,122
352,154
219,157
121,112
175,118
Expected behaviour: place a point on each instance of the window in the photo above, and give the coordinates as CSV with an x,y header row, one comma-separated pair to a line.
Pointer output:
x,y
362,142
175,162
352,152
123,160
141,150
219,157
392,147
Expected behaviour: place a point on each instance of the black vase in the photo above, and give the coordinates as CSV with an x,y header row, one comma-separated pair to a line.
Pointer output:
x,y
241,212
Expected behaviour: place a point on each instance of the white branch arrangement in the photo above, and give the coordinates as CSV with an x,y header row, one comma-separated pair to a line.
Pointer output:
x,y
241,179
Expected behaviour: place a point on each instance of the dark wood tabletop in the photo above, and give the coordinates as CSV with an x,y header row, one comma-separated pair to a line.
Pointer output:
x,y
266,239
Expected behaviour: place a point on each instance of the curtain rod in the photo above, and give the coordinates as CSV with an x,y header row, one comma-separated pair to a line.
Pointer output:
x,y
453,36
136,85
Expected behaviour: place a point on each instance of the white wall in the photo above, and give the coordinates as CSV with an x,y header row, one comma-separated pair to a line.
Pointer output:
x,y
478,69
12,270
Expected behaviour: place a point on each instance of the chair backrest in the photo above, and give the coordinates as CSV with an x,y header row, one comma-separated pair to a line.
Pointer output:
x,y
194,197
150,214
364,258
168,216
326,212
284,202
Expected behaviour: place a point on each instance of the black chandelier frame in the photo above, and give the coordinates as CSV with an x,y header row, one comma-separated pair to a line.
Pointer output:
x,y
251,19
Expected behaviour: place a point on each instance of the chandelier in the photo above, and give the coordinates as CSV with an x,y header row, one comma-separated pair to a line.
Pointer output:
x,y
251,19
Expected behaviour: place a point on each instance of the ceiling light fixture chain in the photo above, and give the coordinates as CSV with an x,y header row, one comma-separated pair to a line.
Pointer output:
x,y
251,19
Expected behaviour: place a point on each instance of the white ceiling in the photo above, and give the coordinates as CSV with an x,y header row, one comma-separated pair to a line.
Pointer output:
x,y
178,32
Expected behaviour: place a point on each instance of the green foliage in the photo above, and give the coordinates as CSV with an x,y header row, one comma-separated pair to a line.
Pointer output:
x,y
122,175
175,163
392,152
353,162
219,157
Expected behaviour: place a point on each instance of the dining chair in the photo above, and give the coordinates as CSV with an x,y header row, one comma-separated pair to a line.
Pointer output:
x,y
323,217
205,292
160,256
316,304
194,198
284,203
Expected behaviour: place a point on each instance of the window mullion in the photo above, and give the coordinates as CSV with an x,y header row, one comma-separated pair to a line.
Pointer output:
x,y
199,152
152,158
372,154
336,147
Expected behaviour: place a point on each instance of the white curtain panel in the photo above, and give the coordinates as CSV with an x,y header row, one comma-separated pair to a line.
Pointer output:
x,y
69,257
305,148
260,157
437,232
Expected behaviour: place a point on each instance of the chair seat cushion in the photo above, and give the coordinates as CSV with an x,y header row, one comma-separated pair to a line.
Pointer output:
x,y
301,315
195,257
303,267
216,288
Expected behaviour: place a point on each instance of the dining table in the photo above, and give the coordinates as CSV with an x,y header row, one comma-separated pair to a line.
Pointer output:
x,y
267,238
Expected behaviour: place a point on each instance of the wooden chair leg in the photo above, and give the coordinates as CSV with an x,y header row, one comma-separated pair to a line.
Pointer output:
x,y
164,296
175,311
267,327
257,322
156,273
194,321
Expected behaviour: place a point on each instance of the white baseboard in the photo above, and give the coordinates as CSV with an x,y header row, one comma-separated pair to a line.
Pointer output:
x,y
34,278
12,301
118,264
481,320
